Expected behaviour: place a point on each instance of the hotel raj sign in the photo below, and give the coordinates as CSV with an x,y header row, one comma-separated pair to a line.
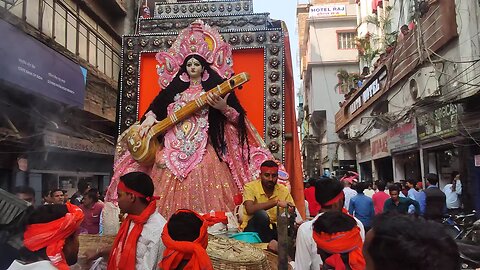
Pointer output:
x,y
373,86
327,11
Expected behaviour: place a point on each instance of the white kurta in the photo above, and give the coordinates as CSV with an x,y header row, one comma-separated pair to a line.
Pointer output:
x,y
150,246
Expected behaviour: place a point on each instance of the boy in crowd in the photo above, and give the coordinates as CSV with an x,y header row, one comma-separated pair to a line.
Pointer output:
x,y
138,243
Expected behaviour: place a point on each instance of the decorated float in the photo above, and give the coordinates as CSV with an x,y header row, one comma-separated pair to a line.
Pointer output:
x,y
260,47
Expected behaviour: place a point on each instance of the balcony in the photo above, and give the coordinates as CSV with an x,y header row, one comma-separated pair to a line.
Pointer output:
x,y
438,27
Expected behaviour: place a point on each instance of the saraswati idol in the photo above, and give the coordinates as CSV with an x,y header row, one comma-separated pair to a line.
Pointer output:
x,y
194,140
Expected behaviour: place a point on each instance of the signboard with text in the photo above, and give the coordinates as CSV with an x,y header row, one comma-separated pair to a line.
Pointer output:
x,y
371,88
441,123
327,11
402,137
34,67
378,145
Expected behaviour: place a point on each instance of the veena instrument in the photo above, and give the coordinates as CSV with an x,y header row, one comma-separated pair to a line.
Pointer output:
x,y
143,149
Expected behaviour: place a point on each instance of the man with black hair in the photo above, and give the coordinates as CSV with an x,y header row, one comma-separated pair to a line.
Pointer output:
x,y
261,198
415,195
361,206
93,210
435,199
138,244
329,194
398,242
57,196
339,242
83,186
185,237
46,199
380,197
50,239
399,204
25,193
453,193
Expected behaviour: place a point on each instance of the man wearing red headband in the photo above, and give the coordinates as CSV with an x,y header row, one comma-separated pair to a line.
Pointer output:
x,y
338,241
260,200
50,239
185,238
329,194
138,244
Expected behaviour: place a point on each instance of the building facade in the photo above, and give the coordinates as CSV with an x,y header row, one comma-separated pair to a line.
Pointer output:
x,y
414,113
60,70
327,32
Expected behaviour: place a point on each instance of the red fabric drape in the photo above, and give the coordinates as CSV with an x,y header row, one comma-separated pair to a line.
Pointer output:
x,y
293,161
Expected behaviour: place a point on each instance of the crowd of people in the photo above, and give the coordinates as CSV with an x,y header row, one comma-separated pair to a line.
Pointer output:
x,y
367,233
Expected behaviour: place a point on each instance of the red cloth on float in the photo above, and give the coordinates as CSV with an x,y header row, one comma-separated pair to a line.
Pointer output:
x,y
123,254
219,217
52,235
195,252
344,242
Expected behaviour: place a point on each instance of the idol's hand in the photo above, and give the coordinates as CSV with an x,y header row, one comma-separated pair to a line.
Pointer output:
x,y
147,124
217,101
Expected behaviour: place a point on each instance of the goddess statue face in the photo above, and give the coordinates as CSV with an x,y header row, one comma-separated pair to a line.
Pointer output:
x,y
194,69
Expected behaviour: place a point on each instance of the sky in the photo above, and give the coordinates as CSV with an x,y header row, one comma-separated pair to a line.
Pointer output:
x,y
284,10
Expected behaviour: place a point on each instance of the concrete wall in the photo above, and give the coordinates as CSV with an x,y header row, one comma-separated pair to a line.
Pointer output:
x,y
323,41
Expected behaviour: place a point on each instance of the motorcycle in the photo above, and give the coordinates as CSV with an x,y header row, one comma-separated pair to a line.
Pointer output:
x,y
465,229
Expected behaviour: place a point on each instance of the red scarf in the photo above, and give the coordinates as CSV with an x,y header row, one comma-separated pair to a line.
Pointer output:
x,y
125,245
344,242
52,235
194,252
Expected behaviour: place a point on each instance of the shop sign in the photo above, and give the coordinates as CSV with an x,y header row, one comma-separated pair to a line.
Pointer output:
x,y
58,140
402,137
327,11
441,123
373,87
379,146
32,66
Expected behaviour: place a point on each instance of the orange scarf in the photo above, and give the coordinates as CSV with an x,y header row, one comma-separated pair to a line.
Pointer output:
x,y
344,242
125,246
52,235
177,251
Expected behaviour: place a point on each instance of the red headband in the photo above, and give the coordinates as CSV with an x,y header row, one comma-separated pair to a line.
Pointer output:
x,y
262,168
340,195
121,186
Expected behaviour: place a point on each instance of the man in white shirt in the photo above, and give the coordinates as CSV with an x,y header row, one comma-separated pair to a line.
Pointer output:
x,y
138,244
452,192
348,191
329,194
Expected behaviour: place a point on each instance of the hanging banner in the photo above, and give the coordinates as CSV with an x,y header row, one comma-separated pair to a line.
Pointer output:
x,y
34,67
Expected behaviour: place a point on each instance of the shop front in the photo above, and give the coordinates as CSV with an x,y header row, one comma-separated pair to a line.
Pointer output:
x,y
382,161
364,159
439,138
403,144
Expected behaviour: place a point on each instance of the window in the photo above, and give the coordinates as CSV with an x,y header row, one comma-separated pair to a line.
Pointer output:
x,y
346,40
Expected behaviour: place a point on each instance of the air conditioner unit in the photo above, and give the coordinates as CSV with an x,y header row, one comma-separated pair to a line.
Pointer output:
x,y
424,84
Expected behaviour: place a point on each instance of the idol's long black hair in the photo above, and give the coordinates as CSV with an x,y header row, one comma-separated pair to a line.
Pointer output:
x,y
216,119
